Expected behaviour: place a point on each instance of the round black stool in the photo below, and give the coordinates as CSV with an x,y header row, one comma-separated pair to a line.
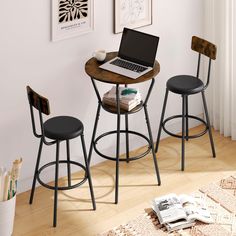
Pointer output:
x,y
186,85
60,128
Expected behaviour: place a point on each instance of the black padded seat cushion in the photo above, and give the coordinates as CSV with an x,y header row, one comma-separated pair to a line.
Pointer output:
x,y
63,128
185,84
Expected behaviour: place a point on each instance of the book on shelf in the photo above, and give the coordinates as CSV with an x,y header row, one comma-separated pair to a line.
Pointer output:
x,y
179,212
129,98
128,106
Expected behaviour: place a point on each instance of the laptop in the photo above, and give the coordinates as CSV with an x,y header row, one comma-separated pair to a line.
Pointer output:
x,y
136,55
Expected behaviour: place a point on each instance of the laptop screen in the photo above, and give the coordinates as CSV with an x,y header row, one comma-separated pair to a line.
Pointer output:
x,y
138,47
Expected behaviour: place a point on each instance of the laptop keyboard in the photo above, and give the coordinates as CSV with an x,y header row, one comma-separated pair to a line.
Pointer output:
x,y
128,65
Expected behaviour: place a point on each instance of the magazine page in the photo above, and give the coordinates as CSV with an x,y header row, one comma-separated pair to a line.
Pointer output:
x,y
169,208
195,208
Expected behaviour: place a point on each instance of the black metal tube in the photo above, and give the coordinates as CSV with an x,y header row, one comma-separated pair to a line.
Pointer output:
x,y
122,159
127,134
68,162
161,120
36,171
127,137
186,117
208,124
183,132
94,132
42,129
96,90
117,143
208,74
149,92
56,184
152,146
198,64
88,172
33,123
63,188
180,136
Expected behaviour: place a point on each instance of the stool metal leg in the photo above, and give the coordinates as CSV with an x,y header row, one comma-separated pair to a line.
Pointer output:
x,y
36,171
88,172
152,146
208,124
117,143
186,118
56,184
127,137
161,120
183,131
94,132
68,162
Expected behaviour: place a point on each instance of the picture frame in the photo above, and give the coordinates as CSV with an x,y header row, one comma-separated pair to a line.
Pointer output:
x,y
132,14
71,18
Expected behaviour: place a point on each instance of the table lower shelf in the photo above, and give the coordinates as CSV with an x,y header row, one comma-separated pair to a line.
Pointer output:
x,y
113,109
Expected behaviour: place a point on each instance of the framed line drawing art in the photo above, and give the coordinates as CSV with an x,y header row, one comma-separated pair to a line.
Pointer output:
x,y
71,18
132,14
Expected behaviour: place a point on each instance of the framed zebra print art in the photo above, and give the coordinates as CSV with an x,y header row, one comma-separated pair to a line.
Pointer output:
x,y
71,18
132,14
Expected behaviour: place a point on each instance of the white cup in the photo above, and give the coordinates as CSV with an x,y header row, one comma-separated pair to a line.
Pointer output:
x,y
100,54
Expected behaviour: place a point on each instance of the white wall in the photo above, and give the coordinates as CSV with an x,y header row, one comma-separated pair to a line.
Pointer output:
x,y
56,70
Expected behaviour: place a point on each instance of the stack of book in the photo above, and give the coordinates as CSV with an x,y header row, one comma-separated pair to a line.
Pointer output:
x,y
179,212
8,180
129,98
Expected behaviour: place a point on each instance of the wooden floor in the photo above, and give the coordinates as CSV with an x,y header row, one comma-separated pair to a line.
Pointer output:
x,y
137,188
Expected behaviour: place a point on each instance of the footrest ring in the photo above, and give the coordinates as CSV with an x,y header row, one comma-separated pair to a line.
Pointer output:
x,y
61,187
180,136
122,159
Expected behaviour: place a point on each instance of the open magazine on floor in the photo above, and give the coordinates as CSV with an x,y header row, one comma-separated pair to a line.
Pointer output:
x,y
178,212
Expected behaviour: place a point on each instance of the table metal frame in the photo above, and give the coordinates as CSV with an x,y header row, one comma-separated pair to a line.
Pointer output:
x,y
118,131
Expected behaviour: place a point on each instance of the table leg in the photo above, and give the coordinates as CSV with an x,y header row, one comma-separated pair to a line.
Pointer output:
x,y
161,120
117,143
152,146
88,172
127,137
94,132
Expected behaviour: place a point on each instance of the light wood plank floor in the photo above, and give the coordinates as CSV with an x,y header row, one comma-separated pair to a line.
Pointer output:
x,y
137,188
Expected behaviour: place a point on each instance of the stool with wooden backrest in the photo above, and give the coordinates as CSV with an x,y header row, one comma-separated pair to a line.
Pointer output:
x,y
58,129
186,85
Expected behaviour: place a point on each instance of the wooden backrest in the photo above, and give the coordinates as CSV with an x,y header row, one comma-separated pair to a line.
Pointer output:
x,y
204,47
38,101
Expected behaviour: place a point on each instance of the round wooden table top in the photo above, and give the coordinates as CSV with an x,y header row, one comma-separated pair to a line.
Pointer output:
x,y
93,70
